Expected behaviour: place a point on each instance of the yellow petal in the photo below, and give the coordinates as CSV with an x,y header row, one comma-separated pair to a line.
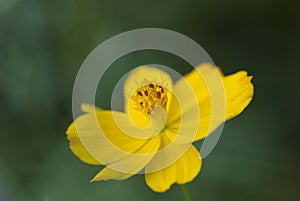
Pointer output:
x,y
130,165
135,162
190,91
182,171
239,93
110,174
78,148
105,136
75,143
218,98
199,106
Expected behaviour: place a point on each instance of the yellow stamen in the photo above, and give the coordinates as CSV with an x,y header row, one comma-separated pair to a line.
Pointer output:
x,y
149,96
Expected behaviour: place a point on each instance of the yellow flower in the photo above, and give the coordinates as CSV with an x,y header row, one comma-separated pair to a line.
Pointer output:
x,y
159,125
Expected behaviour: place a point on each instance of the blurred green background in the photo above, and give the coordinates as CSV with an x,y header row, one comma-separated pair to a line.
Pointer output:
x,y
43,44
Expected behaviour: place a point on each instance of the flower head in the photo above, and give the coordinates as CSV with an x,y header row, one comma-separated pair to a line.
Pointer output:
x,y
159,125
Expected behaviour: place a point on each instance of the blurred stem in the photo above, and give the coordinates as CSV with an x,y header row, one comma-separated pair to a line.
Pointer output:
x,y
185,192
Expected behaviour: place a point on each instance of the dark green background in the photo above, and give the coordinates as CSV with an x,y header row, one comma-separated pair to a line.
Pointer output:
x,y
43,43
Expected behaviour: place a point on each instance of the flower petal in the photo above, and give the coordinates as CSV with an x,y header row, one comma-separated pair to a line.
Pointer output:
x,y
103,135
239,93
108,173
199,106
218,98
182,171
78,148
130,165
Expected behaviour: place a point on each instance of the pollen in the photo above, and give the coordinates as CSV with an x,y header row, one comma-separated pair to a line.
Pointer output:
x,y
149,96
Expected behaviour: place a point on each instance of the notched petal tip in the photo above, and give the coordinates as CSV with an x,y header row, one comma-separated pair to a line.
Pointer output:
x,y
182,171
239,92
77,146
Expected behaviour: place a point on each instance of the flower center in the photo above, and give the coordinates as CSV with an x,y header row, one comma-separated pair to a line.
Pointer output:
x,y
149,96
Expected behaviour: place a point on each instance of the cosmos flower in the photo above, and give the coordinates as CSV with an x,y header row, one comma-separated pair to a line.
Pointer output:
x,y
155,133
